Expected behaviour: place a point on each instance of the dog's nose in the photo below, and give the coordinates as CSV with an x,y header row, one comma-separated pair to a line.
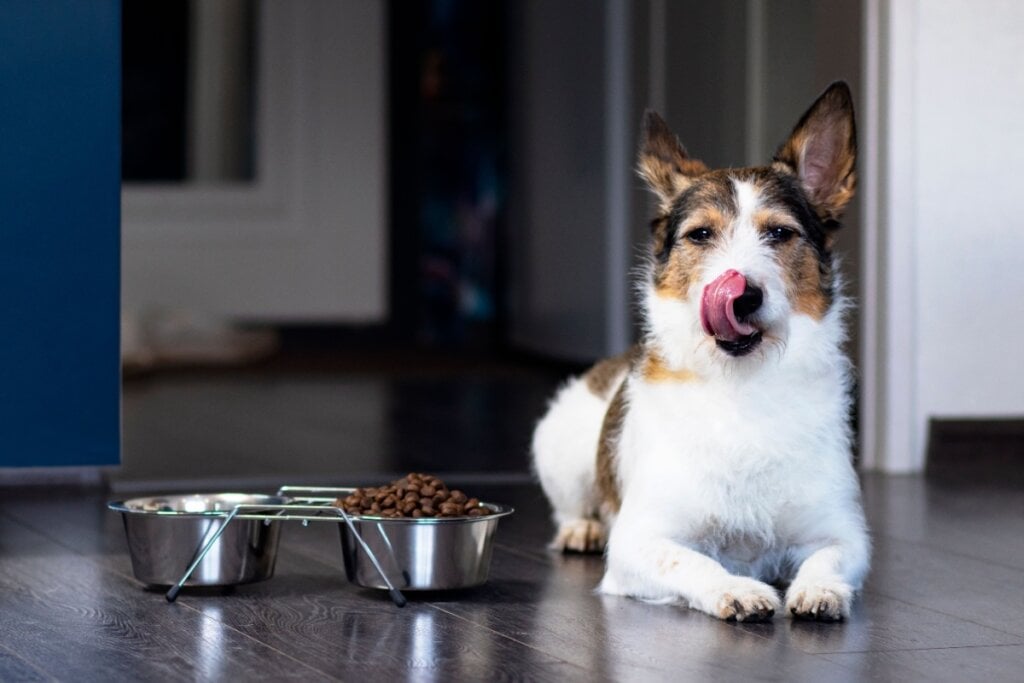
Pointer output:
x,y
747,303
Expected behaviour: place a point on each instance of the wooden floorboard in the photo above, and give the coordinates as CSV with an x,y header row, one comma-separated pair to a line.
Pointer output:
x,y
66,566
959,587
944,600
552,606
66,578
14,668
311,611
974,521
65,615
947,665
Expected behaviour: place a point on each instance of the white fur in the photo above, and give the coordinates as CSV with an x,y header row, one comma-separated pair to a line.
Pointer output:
x,y
740,477
565,446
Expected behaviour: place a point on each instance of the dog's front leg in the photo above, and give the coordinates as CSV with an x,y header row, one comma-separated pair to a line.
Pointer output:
x,y
824,584
658,569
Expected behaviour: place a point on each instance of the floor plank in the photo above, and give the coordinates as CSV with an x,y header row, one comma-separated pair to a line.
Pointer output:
x,y
879,623
310,611
554,608
949,665
943,600
15,669
975,521
960,587
309,608
66,616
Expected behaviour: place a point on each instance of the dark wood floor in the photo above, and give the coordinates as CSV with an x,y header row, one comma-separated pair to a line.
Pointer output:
x,y
944,602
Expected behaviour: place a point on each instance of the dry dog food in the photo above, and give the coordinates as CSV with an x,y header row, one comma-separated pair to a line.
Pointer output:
x,y
415,495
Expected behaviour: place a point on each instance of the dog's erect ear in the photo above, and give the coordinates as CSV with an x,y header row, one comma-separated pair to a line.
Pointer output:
x,y
663,162
822,151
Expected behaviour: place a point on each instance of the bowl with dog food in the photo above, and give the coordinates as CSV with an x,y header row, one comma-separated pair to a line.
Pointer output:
x,y
165,532
424,535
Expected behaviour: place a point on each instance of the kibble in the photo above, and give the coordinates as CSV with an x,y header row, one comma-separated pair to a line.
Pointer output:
x,y
415,495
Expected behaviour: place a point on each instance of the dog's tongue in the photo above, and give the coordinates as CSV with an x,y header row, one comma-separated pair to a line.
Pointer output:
x,y
716,307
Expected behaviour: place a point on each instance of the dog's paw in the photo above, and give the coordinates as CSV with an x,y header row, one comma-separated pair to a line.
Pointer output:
x,y
820,601
744,599
580,536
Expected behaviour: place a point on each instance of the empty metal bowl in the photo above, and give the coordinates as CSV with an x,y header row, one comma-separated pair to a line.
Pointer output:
x,y
165,532
422,554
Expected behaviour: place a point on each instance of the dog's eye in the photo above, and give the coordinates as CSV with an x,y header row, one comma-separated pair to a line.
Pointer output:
x,y
777,234
700,235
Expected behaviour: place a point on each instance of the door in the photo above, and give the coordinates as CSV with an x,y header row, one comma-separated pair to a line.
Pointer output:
x,y
59,213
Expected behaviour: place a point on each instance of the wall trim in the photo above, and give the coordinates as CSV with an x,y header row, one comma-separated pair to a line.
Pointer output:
x,y
892,428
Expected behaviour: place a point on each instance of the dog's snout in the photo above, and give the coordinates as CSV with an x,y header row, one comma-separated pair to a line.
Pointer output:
x,y
747,303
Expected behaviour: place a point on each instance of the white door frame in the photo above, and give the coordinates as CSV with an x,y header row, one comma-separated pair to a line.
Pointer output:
x,y
892,428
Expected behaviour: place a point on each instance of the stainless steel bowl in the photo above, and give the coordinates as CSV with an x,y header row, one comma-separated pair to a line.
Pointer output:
x,y
165,532
422,554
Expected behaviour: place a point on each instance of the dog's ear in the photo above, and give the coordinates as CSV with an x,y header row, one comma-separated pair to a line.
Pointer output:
x,y
822,152
663,162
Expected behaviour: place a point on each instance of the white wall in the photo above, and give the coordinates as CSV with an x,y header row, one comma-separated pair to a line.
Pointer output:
x,y
969,143
951,97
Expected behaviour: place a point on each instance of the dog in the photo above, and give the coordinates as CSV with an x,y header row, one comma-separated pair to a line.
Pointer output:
x,y
714,459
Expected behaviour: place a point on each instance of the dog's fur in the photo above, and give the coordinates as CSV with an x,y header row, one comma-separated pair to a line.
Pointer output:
x,y
714,463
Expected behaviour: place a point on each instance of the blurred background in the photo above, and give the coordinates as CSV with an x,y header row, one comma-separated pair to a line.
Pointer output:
x,y
435,185
451,182
361,236
430,172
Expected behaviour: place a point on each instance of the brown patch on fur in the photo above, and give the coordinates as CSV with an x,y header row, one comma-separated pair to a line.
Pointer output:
x,y
663,161
654,369
674,278
768,217
806,284
667,564
608,452
659,229
669,180
710,216
606,374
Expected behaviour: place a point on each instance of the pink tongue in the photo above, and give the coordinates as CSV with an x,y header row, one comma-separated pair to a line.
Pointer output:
x,y
716,307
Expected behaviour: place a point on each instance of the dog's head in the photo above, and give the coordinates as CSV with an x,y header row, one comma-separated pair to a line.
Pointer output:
x,y
738,254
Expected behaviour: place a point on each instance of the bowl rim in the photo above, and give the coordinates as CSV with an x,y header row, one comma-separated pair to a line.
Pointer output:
x,y
125,506
497,510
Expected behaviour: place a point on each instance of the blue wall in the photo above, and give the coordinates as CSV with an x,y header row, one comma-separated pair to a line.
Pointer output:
x,y
59,221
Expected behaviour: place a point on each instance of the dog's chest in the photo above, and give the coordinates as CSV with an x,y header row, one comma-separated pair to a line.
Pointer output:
x,y
705,427
728,464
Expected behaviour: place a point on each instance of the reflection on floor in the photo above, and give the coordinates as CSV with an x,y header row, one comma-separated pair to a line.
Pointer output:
x,y
944,601
317,426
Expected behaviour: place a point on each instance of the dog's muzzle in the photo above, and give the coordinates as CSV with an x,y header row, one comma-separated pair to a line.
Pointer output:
x,y
727,305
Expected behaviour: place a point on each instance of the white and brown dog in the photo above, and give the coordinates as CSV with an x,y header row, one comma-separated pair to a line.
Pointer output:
x,y
714,458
